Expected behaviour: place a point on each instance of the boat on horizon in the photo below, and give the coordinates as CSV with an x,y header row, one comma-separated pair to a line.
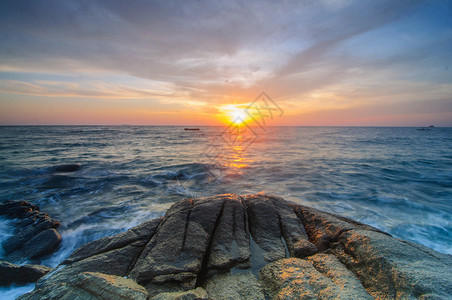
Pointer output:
x,y
193,129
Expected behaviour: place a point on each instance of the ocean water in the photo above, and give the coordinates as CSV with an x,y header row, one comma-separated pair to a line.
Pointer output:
x,y
396,179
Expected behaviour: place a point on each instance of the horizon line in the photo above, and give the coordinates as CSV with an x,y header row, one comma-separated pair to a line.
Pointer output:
x,y
171,125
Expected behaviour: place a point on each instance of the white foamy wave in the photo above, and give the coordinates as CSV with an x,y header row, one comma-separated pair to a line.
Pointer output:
x,y
76,237
6,229
14,291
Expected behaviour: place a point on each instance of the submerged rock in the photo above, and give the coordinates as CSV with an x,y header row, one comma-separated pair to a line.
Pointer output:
x,y
257,247
67,168
35,234
15,274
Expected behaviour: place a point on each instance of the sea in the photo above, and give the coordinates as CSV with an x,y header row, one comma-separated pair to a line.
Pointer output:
x,y
396,179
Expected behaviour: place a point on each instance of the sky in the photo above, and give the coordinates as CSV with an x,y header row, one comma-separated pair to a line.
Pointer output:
x,y
323,62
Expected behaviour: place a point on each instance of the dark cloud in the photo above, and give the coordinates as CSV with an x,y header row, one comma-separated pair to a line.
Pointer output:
x,y
153,32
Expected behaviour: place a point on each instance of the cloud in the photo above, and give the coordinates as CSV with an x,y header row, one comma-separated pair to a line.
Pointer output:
x,y
156,39
215,51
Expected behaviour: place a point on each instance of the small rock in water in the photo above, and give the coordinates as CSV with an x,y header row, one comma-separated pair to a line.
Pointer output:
x,y
41,244
35,234
17,209
67,168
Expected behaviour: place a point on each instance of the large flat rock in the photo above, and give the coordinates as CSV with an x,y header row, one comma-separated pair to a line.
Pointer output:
x,y
256,246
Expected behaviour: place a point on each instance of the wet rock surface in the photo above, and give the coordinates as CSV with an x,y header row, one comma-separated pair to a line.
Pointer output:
x,y
35,235
257,247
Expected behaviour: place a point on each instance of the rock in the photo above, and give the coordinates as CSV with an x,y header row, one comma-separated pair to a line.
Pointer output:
x,y
41,244
324,228
292,229
91,285
15,274
391,268
113,255
17,209
295,278
265,227
230,245
230,287
67,168
36,233
114,262
141,233
176,252
196,294
17,241
44,222
220,243
329,266
387,267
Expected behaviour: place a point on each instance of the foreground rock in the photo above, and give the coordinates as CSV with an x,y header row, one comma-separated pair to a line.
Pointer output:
x,y
35,234
196,294
322,277
243,286
92,285
15,274
256,247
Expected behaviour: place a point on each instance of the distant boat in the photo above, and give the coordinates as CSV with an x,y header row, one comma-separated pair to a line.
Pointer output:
x,y
194,129
425,128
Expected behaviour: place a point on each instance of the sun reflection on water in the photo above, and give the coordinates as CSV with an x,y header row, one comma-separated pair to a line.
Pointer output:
x,y
237,157
238,160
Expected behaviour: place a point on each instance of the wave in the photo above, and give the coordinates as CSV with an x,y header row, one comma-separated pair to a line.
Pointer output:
x,y
14,291
183,171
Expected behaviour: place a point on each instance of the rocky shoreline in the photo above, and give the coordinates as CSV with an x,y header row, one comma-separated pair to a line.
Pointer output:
x,y
249,247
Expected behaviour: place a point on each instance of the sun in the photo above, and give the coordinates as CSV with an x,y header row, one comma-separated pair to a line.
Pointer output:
x,y
235,114
238,116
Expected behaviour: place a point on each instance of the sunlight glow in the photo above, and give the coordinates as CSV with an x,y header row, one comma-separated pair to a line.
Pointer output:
x,y
234,113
